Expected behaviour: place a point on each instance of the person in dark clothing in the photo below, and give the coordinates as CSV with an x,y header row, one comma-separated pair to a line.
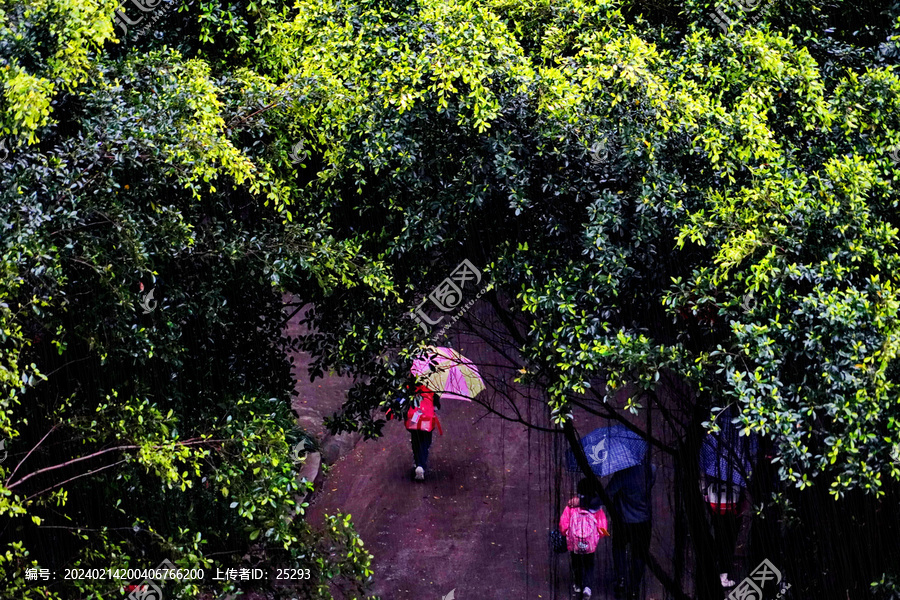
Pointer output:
x,y
630,491
728,507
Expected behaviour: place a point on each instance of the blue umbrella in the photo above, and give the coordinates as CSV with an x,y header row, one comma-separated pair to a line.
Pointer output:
x,y
610,449
727,456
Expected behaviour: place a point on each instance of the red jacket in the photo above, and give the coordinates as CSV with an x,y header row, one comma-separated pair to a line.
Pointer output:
x,y
423,417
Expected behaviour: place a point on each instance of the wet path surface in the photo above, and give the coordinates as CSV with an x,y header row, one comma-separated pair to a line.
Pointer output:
x,y
477,524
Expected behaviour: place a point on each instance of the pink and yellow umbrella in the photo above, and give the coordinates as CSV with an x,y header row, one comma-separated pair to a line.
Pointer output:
x,y
448,373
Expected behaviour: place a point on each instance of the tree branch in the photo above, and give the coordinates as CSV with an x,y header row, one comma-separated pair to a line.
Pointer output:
x,y
99,453
8,479
56,485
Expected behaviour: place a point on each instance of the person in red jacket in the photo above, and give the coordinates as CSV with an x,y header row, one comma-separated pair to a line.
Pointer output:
x,y
421,421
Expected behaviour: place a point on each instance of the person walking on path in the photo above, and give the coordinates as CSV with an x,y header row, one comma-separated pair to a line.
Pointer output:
x,y
727,461
630,492
583,522
421,421
729,506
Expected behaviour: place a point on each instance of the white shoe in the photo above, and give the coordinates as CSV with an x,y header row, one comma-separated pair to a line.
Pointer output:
x,y
586,593
726,583
420,475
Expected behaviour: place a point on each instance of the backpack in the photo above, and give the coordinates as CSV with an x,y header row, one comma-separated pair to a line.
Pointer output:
x,y
422,417
583,533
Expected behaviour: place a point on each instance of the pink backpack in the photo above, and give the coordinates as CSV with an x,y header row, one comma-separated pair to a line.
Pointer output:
x,y
584,530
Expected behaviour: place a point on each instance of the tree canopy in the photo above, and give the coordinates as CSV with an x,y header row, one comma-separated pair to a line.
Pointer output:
x,y
652,198
150,226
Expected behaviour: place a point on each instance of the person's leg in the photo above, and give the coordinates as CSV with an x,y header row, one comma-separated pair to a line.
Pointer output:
x,y
577,570
425,446
725,536
416,446
620,560
588,579
730,526
640,553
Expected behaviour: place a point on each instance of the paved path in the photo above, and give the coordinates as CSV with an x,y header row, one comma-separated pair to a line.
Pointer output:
x,y
478,524
480,521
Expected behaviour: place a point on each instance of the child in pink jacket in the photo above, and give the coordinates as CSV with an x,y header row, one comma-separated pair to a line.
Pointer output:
x,y
583,522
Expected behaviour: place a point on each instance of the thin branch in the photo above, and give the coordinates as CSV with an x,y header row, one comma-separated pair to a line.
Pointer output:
x,y
505,318
288,319
87,528
70,462
56,485
85,263
519,420
71,362
8,479
96,454
612,414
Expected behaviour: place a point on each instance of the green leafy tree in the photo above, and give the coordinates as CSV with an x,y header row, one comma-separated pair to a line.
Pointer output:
x,y
151,222
704,218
